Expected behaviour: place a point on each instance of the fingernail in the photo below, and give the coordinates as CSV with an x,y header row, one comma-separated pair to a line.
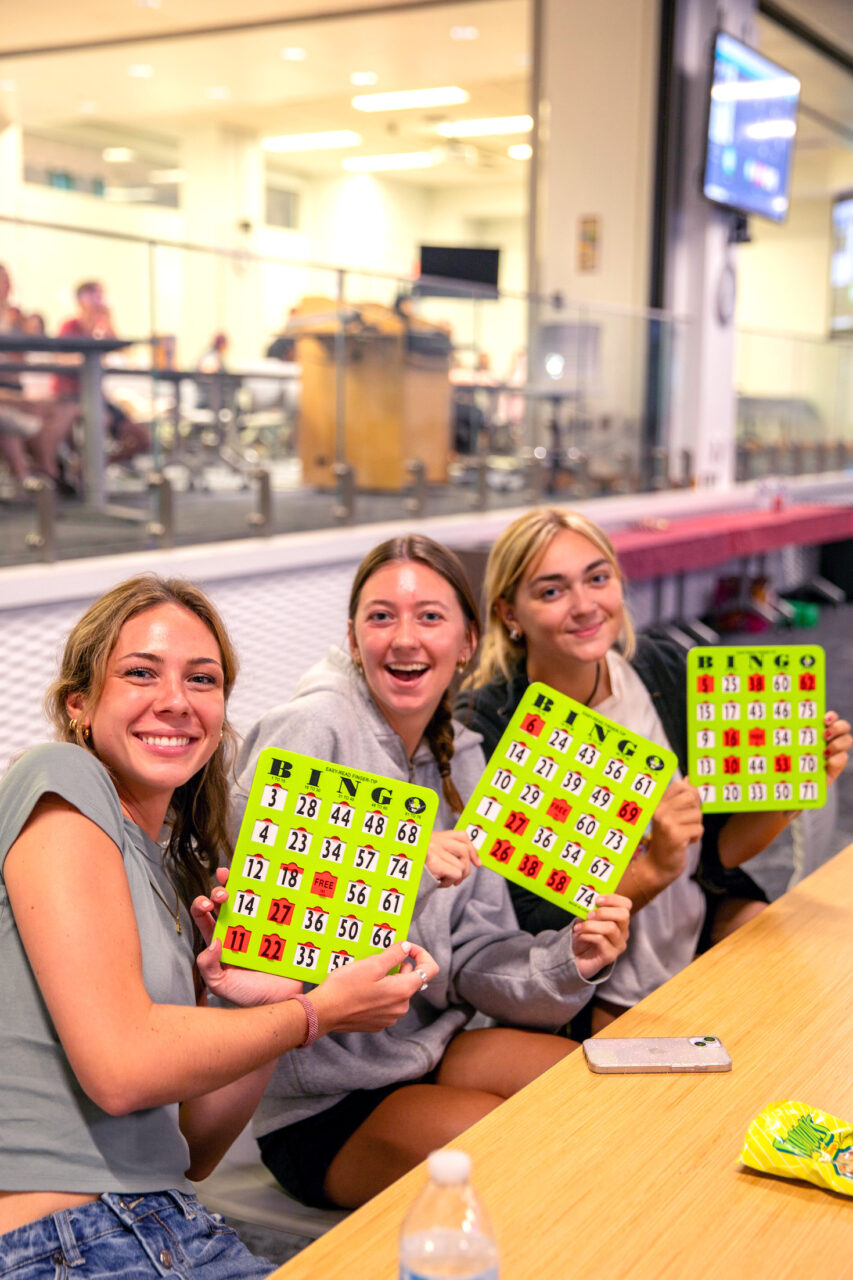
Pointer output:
x,y
407,946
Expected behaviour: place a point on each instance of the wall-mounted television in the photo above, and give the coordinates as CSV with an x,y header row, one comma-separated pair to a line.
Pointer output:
x,y
841,267
469,272
752,123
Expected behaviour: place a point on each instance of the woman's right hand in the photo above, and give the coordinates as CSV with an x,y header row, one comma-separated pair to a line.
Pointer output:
x,y
450,857
677,822
364,996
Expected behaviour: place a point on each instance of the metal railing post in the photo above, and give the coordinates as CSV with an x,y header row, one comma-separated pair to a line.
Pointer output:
x,y
261,520
162,527
344,511
416,501
479,497
44,539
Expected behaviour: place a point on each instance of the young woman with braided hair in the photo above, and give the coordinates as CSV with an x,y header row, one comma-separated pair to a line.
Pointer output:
x,y
359,1111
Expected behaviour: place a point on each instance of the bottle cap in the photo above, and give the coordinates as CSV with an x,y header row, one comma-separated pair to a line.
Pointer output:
x,y
449,1167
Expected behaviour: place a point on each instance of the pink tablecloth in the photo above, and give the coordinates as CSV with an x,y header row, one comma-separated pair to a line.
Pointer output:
x,y
687,545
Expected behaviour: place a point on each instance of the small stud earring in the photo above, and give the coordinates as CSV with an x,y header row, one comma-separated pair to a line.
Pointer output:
x,y
514,635
86,731
462,664
356,657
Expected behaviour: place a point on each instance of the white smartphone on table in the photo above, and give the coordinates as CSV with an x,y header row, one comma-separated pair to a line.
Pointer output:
x,y
656,1054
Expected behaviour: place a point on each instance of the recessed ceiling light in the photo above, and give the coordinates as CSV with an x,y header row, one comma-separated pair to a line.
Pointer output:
x,y
217,92
7,86
405,99
148,4
463,33
363,77
403,160
166,177
326,141
140,70
293,53
485,128
118,155
520,151
88,108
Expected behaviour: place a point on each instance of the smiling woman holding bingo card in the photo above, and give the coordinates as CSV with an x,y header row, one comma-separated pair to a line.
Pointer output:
x,y
357,1112
116,1087
555,613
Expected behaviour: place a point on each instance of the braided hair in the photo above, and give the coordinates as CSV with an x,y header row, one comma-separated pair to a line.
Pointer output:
x,y
422,550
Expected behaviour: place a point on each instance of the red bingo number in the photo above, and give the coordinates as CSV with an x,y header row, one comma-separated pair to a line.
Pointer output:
x,y
629,811
530,866
280,911
502,851
557,881
272,947
517,822
237,938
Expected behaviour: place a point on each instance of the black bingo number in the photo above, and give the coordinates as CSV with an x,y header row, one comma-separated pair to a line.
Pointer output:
x,y
489,808
289,876
587,825
585,897
530,794
707,793
614,839
601,797
477,835
255,868
600,868
307,806
246,903
545,767
375,824
365,856
349,927
407,833
808,791
705,739
338,959
573,783
517,752
264,832
382,936
332,850
391,901
341,815
757,791
560,741
273,797
544,837
315,920
306,957
298,840
615,769
572,852
399,867
503,780
358,893
587,754
807,737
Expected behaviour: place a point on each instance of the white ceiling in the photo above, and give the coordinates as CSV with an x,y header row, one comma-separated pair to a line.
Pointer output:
x,y
87,98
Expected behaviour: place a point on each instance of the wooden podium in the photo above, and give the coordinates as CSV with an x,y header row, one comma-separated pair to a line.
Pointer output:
x,y
395,401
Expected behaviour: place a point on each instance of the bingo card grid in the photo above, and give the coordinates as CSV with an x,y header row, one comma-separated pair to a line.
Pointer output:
x,y
755,726
565,799
326,867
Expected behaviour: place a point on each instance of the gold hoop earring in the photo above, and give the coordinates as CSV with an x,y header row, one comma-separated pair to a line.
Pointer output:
x,y
86,732
72,725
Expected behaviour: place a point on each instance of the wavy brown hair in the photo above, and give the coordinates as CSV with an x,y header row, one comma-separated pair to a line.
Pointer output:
x,y
520,546
422,550
198,831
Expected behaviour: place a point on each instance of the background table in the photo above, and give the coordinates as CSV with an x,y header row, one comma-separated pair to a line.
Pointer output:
x,y
601,1177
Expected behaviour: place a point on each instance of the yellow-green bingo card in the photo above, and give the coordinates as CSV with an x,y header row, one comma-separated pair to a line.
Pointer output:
x,y
326,867
565,799
755,726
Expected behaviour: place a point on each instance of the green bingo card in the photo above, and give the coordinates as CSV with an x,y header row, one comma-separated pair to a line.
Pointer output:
x,y
326,867
755,726
565,799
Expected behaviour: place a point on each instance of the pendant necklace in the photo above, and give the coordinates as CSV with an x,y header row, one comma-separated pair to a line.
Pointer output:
x,y
595,686
176,914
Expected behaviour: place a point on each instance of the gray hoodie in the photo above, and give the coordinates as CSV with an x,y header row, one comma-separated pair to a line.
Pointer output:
x,y
485,963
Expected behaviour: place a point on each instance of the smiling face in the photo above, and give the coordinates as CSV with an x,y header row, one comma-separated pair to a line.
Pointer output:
x,y
409,632
160,714
568,607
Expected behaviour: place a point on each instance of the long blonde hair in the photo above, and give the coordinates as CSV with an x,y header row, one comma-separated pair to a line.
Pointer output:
x,y
520,546
423,550
198,839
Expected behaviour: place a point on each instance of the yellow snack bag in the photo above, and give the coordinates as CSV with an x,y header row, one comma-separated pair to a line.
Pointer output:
x,y
796,1141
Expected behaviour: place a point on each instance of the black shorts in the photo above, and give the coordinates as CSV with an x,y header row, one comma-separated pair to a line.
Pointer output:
x,y
300,1154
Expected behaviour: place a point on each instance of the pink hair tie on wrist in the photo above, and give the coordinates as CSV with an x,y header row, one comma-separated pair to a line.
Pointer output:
x,y
313,1025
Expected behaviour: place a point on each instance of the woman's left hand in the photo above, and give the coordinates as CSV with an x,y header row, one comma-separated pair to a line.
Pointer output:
x,y
838,744
450,857
245,987
603,935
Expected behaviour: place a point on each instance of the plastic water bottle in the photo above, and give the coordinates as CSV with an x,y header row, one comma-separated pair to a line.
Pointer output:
x,y
446,1233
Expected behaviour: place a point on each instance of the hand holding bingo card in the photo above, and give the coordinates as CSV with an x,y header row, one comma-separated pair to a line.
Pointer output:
x,y
755,726
326,867
565,799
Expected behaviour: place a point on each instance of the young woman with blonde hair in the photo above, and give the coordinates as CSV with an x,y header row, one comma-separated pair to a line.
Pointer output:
x,y
556,613
116,1088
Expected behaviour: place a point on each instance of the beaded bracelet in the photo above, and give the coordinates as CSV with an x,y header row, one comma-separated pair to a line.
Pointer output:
x,y
313,1025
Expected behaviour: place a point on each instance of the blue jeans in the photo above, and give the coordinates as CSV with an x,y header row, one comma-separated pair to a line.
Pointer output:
x,y
132,1236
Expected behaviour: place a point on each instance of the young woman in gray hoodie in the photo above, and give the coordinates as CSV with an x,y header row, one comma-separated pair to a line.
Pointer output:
x,y
357,1111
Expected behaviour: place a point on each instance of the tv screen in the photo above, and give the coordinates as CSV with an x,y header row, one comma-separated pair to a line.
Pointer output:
x,y
472,271
841,267
752,122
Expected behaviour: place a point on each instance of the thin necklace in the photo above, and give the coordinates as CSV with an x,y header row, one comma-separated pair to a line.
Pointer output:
x,y
176,914
595,686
